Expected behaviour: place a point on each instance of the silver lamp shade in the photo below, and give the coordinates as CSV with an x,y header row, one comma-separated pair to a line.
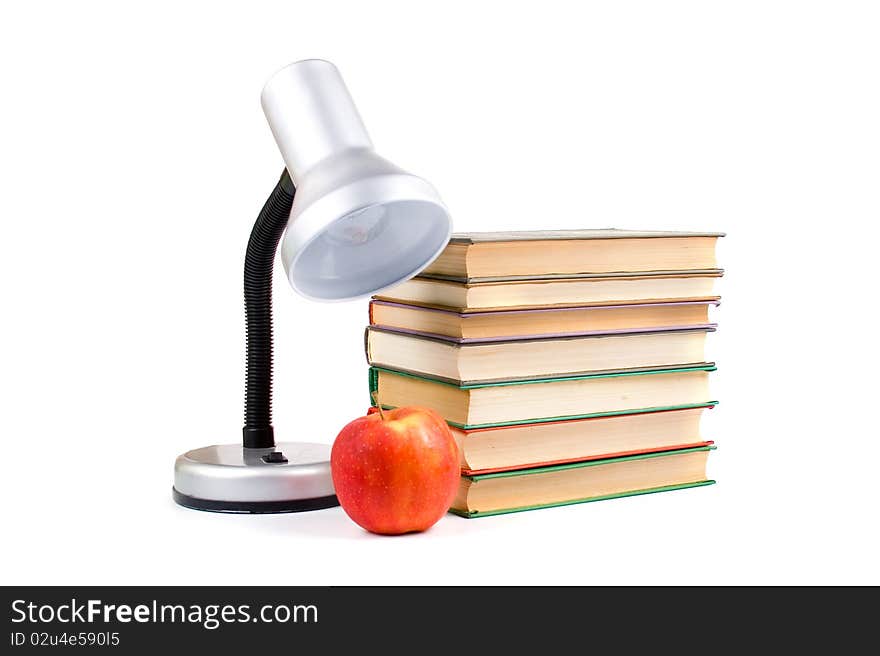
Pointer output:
x,y
358,224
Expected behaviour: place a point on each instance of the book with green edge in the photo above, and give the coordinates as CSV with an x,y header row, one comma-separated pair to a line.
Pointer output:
x,y
487,405
499,493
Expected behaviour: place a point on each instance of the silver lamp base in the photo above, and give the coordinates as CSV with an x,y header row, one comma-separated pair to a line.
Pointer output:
x,y
290,477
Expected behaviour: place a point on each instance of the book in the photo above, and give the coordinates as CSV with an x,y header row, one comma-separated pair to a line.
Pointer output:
x,y
483,405
472,326
535,254
533,358
522,446
528,489
605,289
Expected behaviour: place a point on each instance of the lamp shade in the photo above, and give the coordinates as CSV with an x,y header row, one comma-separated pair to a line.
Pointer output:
x,y
358,223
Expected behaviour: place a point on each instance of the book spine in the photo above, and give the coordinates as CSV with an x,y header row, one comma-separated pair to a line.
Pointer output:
x,y
374,384
367,344
471,514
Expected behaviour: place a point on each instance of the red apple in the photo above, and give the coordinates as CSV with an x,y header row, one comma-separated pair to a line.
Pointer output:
x,y
396,471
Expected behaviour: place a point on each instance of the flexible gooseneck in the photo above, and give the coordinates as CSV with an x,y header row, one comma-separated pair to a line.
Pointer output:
x,y
259,260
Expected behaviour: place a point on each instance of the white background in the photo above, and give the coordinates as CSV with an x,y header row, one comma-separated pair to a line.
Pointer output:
x,y
134,157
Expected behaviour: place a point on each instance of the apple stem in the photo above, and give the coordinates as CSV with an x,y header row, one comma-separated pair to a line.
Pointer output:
x,y
375,396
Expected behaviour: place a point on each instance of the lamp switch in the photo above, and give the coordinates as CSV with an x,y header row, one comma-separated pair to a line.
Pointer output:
x,y
274,458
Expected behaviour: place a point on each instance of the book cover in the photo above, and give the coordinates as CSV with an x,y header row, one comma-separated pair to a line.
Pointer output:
x,y
464,295
590,463
520,313
545,235
604,456
561,277
550,463
543,343
373,380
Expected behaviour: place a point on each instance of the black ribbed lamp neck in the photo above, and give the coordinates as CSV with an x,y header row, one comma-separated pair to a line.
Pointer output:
x,y
258,266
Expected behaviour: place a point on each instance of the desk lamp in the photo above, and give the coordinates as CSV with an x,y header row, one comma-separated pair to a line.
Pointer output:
x,y
353,224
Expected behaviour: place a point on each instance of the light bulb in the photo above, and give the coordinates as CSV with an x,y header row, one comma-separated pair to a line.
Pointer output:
x,y
358,227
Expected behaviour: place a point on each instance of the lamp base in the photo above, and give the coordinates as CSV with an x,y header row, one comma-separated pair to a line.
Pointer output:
x,y
289,477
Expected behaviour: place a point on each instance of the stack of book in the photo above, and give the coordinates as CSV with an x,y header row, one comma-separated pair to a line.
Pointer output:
x,y
570,365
